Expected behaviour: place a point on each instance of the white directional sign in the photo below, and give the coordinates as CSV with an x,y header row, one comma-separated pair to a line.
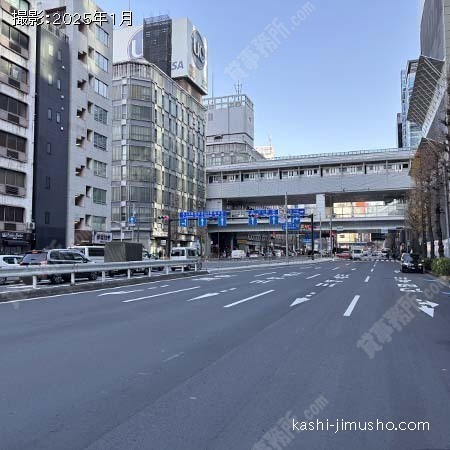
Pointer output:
x,y
427,307
299,301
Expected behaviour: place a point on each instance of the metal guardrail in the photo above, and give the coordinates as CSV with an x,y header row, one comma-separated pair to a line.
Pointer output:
x,y
35,272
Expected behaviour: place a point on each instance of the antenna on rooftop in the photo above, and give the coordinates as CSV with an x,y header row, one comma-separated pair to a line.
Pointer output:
x,y
238,88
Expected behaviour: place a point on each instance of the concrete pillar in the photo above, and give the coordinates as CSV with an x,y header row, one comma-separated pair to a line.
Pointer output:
x,y
321,210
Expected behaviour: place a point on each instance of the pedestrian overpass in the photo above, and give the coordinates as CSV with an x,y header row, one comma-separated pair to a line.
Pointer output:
x,y
349,192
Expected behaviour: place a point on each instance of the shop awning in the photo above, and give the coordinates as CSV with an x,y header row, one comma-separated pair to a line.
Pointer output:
x,y
428,80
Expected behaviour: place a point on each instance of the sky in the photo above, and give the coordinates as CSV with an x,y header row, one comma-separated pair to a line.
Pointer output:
x,y
327,83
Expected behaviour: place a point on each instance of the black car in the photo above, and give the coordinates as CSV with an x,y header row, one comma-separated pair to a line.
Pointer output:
x,y
55,257
412,263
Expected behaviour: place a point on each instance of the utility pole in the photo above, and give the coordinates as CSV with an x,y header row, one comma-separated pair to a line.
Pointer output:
x,y
312,236
286,223
320,234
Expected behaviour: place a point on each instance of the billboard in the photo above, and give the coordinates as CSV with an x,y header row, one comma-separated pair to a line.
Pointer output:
x,y
189,54
189,51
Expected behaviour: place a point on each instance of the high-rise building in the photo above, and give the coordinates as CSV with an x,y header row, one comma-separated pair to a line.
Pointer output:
x,y
51,156
158,131
230,130
399,130
411,132
86,159
17,88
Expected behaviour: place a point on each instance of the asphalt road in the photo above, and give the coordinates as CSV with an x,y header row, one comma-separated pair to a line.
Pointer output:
x,y
223,362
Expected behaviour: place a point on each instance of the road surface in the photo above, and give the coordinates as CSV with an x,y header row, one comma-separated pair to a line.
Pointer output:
x,y
231,361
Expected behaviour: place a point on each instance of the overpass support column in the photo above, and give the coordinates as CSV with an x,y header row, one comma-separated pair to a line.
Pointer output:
x,y
321,210
208,244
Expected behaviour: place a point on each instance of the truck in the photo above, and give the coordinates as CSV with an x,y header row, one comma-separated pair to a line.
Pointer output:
x,y
124,252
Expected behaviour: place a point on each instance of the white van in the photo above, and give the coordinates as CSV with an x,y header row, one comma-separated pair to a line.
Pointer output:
x,y
357,254
238,254
182,254
95,253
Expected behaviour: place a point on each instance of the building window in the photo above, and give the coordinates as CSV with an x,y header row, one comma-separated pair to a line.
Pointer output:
x,y
22,5
49,113
98,223
99,168
47,218
50,50
12,142
101,88
49,148
101,61
17,73
140,133
99,196
11,214
58,85
12,178
100,115
59,55
50,79
13,107
58,117
100,141
15,36
47,183
102,35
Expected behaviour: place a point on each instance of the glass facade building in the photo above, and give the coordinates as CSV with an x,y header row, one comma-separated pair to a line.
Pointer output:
x,y
158,155
411,132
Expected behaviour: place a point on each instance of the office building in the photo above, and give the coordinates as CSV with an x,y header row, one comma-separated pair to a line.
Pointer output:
x,y
84,154
411,132
230,130
17,88
158,131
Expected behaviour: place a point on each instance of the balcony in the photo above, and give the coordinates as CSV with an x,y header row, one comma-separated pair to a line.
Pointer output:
x,y
13,226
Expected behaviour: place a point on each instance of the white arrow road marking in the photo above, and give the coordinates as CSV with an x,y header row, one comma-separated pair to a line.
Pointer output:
x,y
427,307
212,294
314,276
299,301
160,295
351,307
120,292
248,299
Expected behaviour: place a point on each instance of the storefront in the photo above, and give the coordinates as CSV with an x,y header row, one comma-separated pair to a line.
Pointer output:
x,y
15,242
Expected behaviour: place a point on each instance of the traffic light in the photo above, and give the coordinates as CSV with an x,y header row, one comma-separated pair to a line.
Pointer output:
x,y
165,218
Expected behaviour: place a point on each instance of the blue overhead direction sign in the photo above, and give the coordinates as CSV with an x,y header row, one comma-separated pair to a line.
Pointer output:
x,y
202,222
222,221
253,221
273,220
184,222
297,212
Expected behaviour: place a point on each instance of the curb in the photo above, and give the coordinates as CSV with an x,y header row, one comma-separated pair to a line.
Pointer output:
x,y
84,287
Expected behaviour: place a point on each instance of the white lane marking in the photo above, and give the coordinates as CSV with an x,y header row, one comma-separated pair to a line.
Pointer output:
x,y
212,294
264,274
427,307
332,285
367,279
372,270
353,269
120,292
174,357
314,276
320,284
351,307
159,295
299,301
336,268
232,289
248,299
347,264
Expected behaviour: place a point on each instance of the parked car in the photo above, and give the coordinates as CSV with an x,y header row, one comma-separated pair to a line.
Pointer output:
x,y
55,257
255,254
344,255
9,262
412,263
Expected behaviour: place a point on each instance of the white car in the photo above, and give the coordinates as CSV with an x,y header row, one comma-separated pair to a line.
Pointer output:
x,y
357,254
9,262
